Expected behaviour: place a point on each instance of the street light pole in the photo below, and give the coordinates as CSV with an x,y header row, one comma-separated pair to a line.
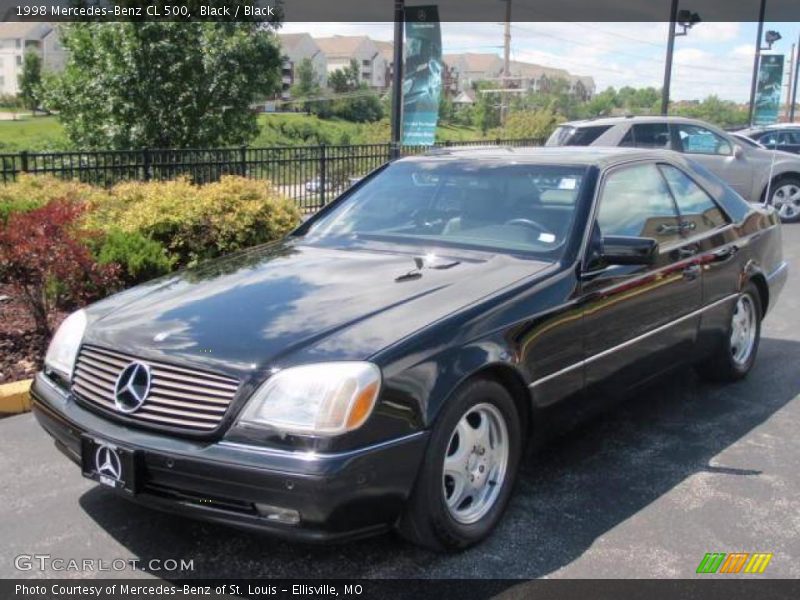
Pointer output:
x,y
761,11
673,16
796,76
397,78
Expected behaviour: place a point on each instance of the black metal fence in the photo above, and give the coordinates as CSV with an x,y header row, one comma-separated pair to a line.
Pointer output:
x,y
311,175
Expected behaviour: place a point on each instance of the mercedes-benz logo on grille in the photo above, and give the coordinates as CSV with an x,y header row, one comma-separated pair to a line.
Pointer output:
x,y
133,386
106,461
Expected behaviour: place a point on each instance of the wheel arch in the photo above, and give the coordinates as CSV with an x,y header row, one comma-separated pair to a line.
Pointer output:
x,y
511,379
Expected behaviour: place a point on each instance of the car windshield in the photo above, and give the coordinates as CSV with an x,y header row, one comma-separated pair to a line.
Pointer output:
x,y
485,205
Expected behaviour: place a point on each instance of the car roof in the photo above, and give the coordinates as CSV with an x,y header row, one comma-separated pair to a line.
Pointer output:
x,y
634,119
599,156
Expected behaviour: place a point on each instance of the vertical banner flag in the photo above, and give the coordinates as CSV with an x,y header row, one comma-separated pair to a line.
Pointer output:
x,y
422,80
768,92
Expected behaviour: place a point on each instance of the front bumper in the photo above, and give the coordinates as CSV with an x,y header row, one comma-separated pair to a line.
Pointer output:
x,y
339,496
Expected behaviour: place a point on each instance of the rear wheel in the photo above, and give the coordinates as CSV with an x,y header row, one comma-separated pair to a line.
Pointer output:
x,y
736,356
469,469
785,197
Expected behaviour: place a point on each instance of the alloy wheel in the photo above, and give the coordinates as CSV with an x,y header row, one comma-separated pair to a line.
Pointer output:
x,y
786,200
475,463
743,329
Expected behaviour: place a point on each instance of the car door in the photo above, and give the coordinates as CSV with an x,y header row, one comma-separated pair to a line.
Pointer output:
x,y
638,319
715,153
707,228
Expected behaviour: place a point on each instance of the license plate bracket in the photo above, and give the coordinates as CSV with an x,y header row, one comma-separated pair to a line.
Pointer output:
x,y
109,464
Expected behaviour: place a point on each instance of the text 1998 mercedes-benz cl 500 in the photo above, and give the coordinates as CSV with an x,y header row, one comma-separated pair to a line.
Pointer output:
x,y
386,364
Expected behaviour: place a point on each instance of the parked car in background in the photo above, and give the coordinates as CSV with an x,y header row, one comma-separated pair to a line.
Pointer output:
x,y
758,174
385,365
782,136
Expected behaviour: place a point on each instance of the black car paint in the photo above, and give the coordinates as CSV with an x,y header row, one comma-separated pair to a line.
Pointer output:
x,y
558,334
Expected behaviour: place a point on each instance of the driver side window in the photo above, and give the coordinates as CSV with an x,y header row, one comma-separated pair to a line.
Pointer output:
x,y
636,202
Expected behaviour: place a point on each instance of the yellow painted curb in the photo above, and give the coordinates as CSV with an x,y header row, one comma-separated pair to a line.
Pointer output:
x,y
15,397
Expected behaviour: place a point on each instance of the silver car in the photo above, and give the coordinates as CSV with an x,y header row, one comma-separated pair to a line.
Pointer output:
x,y
756,173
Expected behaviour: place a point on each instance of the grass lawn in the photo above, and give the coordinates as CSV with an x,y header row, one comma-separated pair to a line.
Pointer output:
x,y
32,133
277,129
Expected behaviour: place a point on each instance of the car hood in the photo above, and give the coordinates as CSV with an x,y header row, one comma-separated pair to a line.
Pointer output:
x,y
294,302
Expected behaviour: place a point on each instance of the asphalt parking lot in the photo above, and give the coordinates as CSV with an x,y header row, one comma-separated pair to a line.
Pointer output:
x,y
644,491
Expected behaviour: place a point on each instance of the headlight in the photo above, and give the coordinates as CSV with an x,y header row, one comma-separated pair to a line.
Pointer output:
x,y
63,349
322,398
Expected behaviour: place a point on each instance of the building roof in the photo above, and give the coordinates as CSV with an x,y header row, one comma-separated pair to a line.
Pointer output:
x,y
523,69
24,30
290,40
473,61
386,49
341,46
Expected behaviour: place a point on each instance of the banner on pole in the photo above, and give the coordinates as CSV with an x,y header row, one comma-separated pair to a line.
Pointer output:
x,y
422,80
768,91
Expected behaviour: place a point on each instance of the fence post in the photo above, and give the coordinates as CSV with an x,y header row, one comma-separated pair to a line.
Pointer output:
x,y
23,159
146,161
323,179
243,160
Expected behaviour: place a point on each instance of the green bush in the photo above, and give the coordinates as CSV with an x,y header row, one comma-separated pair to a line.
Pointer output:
x,y
30,192
198,222
139,257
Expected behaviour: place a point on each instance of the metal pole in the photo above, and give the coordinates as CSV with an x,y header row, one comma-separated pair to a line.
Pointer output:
x,y
506,62
796,76
397,79
756,60
792,58
673,15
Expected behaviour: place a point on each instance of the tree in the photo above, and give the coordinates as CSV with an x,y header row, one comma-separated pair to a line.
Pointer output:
x,y
345,80
363,107
307,85
486,113
529,124
30,81
164,84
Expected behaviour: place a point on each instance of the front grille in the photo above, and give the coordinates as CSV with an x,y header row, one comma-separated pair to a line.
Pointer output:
x,y
179,398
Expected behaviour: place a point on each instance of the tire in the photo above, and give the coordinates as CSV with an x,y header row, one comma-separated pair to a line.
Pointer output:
x,y
736,355
477,407
785,197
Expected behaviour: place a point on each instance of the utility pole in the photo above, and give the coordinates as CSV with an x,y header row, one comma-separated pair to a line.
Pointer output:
x,y
397,78
756,61
792,58
794,87
506,62
673,17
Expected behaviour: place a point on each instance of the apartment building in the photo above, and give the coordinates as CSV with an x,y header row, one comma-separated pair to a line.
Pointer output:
x,y
339,50
18,38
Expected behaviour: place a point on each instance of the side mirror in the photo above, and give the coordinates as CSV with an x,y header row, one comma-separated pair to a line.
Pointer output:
x,y
738,152
624,250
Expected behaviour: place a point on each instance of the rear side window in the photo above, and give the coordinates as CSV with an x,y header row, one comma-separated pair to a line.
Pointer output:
x,y
647,135
696,207
576,136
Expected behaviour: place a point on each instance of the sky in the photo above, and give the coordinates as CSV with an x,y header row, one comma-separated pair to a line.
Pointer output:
x,y
714,58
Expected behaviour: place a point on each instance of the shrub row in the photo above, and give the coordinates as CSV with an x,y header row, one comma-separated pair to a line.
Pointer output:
x,y
63,243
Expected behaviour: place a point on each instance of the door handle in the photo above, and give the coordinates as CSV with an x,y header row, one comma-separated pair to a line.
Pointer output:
x,y
727,252
691,272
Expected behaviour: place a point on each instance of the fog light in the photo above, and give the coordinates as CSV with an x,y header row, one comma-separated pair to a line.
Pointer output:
x,y
286,516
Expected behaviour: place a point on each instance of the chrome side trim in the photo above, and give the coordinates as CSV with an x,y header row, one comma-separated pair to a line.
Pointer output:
x,y
311,455
780,269
631,341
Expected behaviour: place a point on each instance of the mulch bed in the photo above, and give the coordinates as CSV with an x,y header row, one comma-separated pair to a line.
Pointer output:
x,y
21,349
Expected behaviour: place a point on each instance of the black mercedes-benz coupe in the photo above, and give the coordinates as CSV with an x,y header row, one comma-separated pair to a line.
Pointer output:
x,y
387,363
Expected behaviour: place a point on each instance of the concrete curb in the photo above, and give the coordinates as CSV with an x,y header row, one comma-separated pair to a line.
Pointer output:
x,y
15,397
